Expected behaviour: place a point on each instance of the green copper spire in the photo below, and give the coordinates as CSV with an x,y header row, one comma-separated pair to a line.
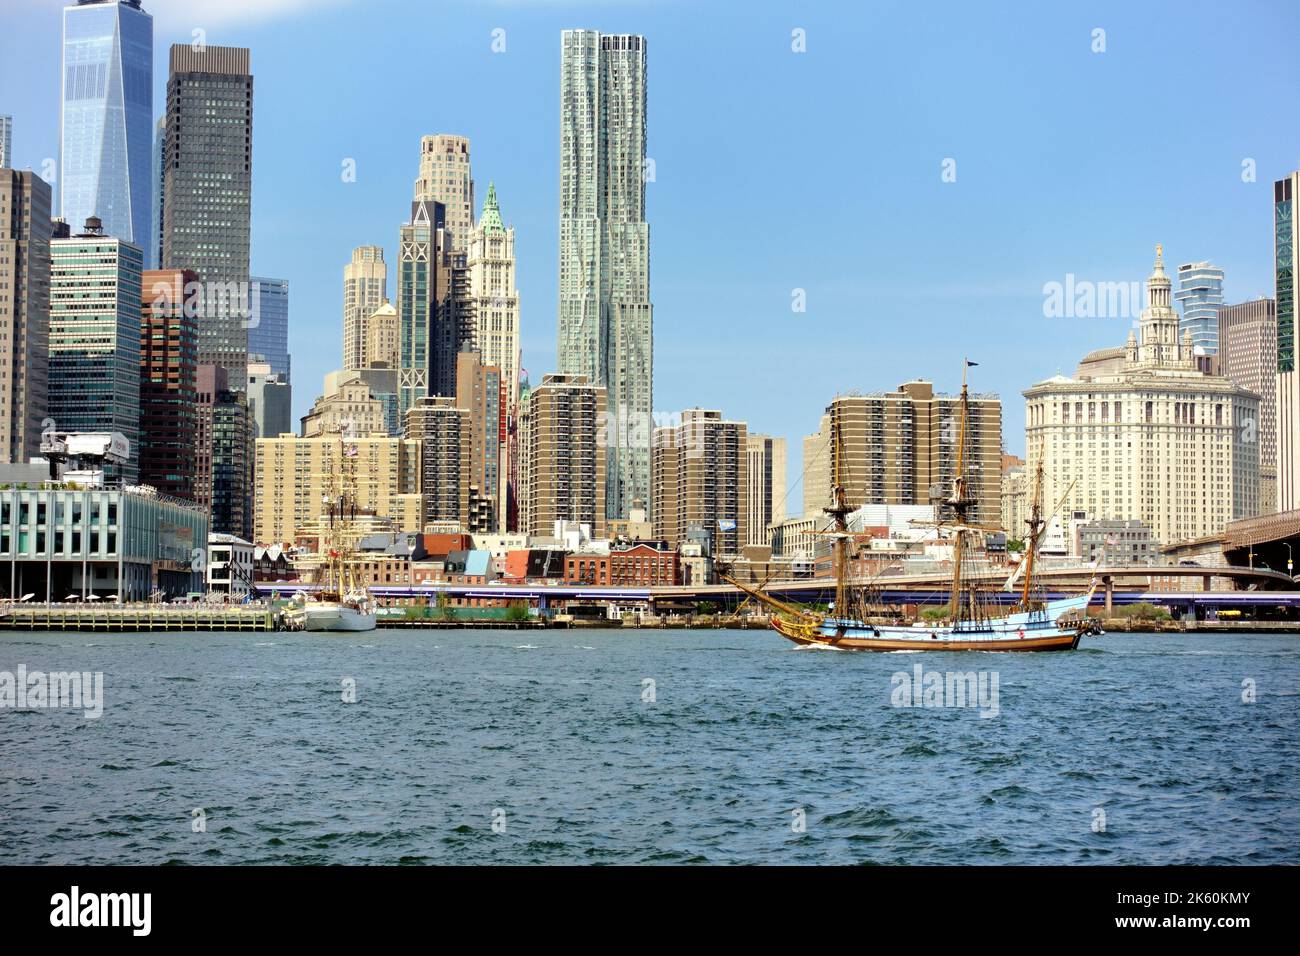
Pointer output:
x,y
490,221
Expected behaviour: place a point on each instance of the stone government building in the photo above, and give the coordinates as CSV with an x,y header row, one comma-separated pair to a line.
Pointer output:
x,y
1147,435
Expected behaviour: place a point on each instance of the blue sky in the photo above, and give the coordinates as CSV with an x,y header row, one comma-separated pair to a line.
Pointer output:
x,y
775,170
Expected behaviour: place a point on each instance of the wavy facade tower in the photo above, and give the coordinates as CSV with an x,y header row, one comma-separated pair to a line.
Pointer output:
x,y
605,315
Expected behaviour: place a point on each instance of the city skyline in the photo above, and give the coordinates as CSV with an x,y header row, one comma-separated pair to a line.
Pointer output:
x,y
850,226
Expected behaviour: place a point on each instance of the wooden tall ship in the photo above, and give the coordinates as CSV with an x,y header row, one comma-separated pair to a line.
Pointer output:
x,y
972,619
341,602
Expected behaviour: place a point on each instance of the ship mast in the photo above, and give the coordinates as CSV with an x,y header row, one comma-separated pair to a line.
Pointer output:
x,y
839,511
960,503
1035,522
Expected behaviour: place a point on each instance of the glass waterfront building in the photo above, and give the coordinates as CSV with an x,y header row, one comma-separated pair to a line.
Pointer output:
x,y
95,317
268,324
106,130
605,315
107,542
1200,292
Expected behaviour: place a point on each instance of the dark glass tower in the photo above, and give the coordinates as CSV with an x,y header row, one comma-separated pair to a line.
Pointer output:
x,y
207,190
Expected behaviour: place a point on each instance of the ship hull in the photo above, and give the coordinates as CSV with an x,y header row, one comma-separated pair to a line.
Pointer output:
x,y
1041,630
335,617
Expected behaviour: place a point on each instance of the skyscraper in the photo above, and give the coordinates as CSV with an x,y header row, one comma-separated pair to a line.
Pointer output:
x,y
6,142
701,477
494,296
224,479
95,304
417,300
106,120
605,315
383,333
442,431
24,312
766,498
562,456
817,470
479,390
153,241
268,324
365,289
207,189
270,402
169,348
1200,290
1248,357
900,447
445,177
1286,220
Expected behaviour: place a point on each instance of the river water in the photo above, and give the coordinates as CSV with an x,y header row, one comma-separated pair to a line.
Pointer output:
x,y
648,746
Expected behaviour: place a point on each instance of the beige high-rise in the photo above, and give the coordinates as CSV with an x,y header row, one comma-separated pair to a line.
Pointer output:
x,y
445,177
1015,498
562,455
1158,441
1248,357
24,312
294,474
382,330
766,487
365,290
900,448
817,469
351,408
699,475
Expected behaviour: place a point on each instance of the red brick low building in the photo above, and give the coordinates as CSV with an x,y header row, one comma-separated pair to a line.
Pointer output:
x,y
592,569
644,565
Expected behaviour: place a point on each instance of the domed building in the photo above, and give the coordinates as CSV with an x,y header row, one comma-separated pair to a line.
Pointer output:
x,y
1144,435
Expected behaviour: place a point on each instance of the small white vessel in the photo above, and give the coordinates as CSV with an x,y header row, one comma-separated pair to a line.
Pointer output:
x,y
353,613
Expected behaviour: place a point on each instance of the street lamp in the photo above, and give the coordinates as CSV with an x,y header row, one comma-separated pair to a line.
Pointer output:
x,y
1290,564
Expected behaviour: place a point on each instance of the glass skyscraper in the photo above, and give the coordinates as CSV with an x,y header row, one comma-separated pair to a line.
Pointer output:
x,y
106,134
207,192
605,315
95,306
1286,222
417,301
268,324
1200,292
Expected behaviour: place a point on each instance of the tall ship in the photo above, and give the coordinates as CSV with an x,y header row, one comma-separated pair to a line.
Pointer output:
x,y
340,603
973,619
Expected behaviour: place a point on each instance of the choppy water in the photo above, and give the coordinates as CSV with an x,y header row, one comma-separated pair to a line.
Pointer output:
x,y
551,728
